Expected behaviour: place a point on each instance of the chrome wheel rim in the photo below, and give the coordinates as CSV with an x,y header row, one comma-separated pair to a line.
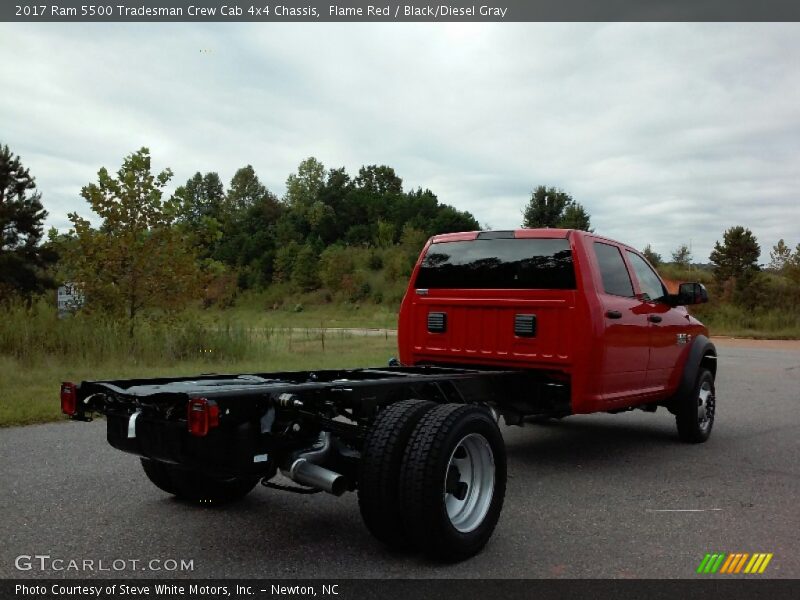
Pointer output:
x,y
705,406
469,482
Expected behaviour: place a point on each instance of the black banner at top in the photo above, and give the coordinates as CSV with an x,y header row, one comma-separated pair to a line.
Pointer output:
x,y
391,11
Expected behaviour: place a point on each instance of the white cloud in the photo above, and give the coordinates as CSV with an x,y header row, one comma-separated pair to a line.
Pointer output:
x,y
667,133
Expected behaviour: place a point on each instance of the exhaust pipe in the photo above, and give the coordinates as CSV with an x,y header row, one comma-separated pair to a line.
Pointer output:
x,y
307,473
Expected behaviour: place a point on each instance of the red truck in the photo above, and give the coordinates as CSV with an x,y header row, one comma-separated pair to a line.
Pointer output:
x,y
525,325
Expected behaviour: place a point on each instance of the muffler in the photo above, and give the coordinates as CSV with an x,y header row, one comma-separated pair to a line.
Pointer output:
x,y
307,473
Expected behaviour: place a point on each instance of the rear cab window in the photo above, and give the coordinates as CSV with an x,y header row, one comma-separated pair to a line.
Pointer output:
x,y
614,273
500,263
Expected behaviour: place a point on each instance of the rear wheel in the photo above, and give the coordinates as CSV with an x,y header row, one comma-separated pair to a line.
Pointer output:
x,y
381,458
453,481
159,474
195,487
694,414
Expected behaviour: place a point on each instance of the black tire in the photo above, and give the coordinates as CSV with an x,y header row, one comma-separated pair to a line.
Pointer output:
x,y
379,471
692,427
426,478
159,474
539,420
195,487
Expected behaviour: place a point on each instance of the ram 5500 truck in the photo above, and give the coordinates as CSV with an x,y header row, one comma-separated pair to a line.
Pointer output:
x,y
526,324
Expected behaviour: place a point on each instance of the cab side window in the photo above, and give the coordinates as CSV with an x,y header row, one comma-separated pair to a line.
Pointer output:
x,y
616,279
649,282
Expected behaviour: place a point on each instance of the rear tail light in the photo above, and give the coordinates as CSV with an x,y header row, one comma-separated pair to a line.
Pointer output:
x,y
69,398
202,416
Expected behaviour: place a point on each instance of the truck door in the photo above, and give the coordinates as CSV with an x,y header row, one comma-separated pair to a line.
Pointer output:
x,y
625,329
665,323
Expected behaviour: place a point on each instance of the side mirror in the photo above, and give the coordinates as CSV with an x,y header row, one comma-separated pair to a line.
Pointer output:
x,y
691,293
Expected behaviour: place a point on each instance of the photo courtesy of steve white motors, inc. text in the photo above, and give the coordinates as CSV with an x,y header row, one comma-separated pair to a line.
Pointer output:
x,y
171,589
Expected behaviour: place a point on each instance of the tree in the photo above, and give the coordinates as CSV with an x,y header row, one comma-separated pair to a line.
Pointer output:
x,y
136,259
335,263
245,190
793,266
545,208
451,220
202,196
575,217
736,257
682,256
652,257
303,188
201,206
780,257
22,259
305,269
550,207
384,234
379,180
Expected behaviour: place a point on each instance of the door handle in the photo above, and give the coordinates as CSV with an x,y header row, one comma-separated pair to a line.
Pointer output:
x,y
613,314
654,318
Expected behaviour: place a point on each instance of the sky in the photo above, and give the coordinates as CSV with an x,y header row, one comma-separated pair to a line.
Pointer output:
x,y
668,133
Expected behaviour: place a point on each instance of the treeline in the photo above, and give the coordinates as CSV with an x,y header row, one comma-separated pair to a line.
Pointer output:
x,y
331,236
746,298
268,239
152,250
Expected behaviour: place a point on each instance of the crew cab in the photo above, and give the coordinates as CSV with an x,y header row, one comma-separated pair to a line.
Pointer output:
x,y
522,325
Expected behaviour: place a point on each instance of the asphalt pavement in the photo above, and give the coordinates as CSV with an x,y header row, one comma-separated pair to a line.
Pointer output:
x,y
608,496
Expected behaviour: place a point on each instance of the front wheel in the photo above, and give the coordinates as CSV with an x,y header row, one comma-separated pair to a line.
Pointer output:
x,y
694,414
453,481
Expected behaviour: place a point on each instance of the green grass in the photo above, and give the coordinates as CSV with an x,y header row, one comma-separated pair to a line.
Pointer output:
x,y
311,315
734,321
30,387
38,350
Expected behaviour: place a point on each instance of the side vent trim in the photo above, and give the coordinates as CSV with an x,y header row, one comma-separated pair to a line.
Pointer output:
x,y
437,322
525,325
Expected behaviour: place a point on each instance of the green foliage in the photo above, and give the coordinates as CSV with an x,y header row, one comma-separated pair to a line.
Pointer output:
x,y
335,263
22,260
305,269
284,261
780,256
245,191
654,258
575,217
375,261
682,256
551,207
761,322
385,234
303,188
736,258
136,259
31,334
201,197
412,240
379,180
792,268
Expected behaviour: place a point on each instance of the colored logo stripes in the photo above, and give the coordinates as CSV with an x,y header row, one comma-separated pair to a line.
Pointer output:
x,y
737,562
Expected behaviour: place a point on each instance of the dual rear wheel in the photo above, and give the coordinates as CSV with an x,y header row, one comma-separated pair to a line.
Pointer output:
x,y
433,478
